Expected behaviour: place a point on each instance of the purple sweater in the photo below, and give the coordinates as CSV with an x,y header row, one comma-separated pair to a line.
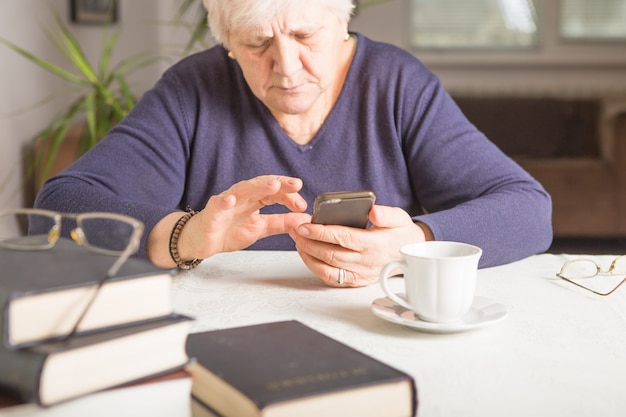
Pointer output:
x,y
393,130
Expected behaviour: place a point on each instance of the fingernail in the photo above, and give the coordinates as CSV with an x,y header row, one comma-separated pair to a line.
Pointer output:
x,y
304,231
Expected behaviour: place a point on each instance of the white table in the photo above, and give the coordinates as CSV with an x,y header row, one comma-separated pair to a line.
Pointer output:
x,y
559,352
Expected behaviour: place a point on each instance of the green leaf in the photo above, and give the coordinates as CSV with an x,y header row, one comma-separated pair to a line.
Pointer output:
x,y
128,95
107,51
68,45
197,34
91,116
45,64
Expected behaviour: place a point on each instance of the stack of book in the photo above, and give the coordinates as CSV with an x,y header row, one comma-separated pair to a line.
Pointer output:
x,y
129,332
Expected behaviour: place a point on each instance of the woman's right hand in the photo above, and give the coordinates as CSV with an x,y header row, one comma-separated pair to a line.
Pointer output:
x,y
232,220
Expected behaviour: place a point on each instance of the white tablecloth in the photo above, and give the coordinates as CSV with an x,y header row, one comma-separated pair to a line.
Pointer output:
x,y
560,351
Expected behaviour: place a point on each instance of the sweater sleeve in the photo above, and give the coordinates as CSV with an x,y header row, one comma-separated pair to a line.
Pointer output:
x,y
471,191
138,169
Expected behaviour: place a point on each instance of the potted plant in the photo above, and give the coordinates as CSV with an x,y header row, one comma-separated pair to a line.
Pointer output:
x,y
102,97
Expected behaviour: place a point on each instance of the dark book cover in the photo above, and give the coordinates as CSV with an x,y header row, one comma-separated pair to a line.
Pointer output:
x,y
283,362
95,361
53,272
66,265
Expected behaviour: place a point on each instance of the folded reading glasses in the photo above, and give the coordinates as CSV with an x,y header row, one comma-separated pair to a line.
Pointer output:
x,y
106,233
587,274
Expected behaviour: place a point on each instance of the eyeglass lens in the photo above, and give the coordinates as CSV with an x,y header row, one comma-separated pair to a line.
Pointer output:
x,y
108,234
27,230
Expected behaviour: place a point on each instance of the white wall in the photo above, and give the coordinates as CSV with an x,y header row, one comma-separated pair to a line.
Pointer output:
x,y
21,87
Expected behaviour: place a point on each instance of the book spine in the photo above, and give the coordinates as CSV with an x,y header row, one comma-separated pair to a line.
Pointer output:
x,y
20,373
4,320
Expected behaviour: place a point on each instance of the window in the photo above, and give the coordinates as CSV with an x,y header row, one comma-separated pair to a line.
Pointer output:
x,y
522,47
593,20
474,23
513,24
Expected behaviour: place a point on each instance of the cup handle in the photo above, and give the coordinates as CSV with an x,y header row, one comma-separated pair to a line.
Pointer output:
x,y
384,276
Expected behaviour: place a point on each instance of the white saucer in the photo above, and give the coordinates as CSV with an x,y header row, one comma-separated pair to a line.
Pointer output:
x,y
483,312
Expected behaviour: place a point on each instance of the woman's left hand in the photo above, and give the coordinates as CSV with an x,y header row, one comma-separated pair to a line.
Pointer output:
x,y
361,253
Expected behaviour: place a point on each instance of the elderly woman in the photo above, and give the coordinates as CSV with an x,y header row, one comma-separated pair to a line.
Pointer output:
x,y
288,106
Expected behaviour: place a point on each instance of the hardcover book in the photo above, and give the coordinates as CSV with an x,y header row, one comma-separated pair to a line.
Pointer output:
x,y
54,372
167,395
43,293
288,369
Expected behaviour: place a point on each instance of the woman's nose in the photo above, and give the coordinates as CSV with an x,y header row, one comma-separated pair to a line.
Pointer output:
x,y
286,55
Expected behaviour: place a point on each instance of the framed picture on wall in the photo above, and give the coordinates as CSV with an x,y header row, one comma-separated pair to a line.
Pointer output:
x,y
94,12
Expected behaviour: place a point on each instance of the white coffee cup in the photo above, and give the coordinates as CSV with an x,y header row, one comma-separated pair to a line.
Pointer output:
x,y
439,279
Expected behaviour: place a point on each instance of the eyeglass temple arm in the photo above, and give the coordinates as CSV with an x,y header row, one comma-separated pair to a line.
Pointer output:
x,y
589,289
110,274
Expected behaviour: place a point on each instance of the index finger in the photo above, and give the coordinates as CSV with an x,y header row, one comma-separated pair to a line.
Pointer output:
x,y
267,190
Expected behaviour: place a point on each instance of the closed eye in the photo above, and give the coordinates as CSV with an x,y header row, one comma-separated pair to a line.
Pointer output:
x,y
259,45
304,36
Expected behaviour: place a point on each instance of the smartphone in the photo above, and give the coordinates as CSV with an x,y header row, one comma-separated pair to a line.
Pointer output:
x,y
344,208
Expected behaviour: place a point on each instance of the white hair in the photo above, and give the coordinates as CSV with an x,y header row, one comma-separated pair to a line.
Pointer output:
x,y
225,15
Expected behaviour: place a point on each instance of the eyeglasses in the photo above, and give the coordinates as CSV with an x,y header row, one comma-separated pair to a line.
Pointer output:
x,y
587,274
106,233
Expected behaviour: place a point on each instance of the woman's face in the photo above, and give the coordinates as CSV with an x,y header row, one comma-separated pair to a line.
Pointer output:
x,y
291,61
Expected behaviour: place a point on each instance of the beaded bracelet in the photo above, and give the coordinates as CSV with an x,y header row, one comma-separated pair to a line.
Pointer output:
x,y
178,227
